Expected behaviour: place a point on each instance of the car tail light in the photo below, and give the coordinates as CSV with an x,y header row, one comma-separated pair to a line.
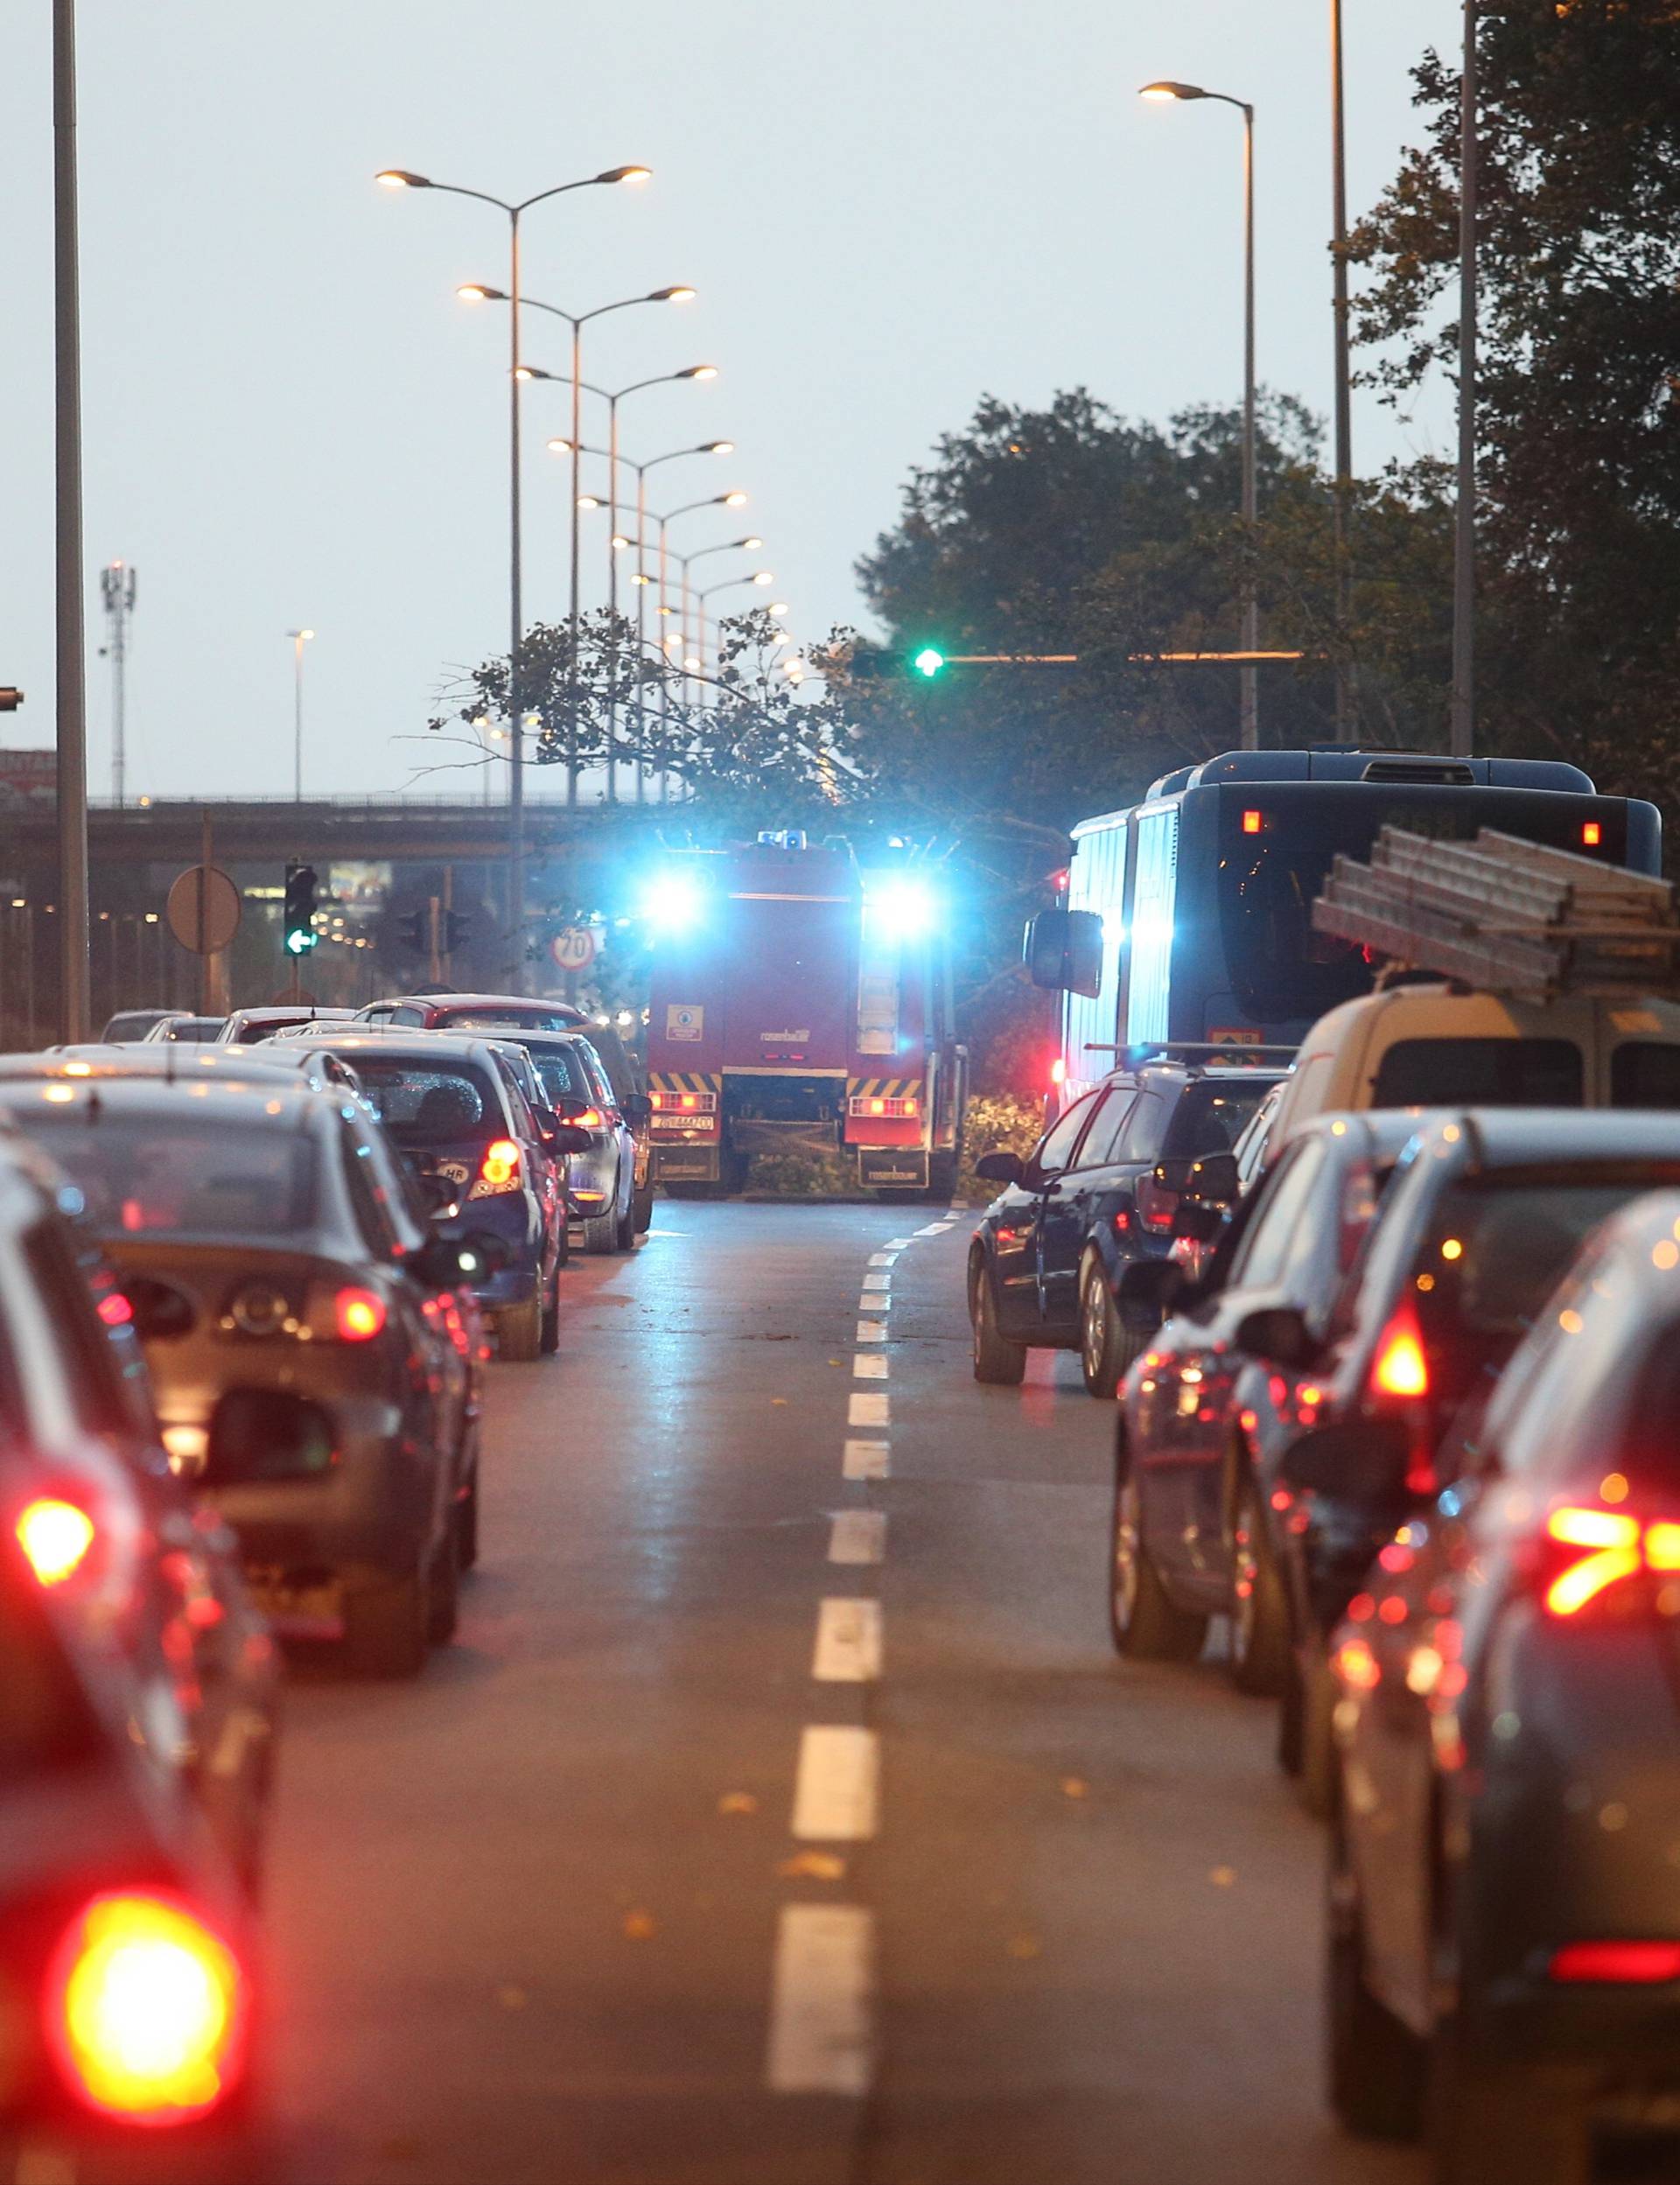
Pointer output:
x,y
1399,1368
146,2010
1589,1551
358,1315
1630,1964
590,1119
499,1170
1156,1205
55,1534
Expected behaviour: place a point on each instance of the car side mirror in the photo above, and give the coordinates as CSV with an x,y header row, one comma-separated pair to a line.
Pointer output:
x,y
568,1139
1213,1178
1000,1168
636,1107
1148,1290
1278,1334
1198,1221
1062,950
1355,1460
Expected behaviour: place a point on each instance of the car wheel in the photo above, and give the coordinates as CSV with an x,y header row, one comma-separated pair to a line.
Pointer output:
x,y
519,1332
467,1523
385,1626
1376,2063
997,1362
1318,1739
601,1233
1260,1646
1147,1625
1105,1347
444,1589
1290,1708
549,1342
1499,2122
626,1231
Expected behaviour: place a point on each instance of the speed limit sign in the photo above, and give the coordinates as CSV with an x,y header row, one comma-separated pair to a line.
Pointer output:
x,y
573,947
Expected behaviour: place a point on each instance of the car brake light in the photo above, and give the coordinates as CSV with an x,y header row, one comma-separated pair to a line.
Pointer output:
x,y
590,1119
1156,1205
1641,1963
1400,1367
358,1315
55,1536
499,1170
115,1309
146,2010
1593,1550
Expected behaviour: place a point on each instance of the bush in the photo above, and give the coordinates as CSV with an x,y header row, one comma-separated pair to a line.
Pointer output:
x,y
998,1122
802,1172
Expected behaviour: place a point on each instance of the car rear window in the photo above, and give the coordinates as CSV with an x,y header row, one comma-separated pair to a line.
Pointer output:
x,y
429,1103
1645,1074
1479,1074
1212,1115
185,1173
562,1074
481,1018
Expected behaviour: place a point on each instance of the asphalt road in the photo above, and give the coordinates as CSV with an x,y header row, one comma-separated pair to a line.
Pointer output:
x,y
705,1857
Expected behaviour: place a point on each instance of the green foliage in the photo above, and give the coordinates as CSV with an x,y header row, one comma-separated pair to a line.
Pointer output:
x,y
998,1122
1578,252
803,1173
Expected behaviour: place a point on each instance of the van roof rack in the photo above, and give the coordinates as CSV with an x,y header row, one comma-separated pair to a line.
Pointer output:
x,y
1509,916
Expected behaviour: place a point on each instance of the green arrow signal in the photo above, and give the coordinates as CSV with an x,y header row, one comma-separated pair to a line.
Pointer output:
x,y
927,662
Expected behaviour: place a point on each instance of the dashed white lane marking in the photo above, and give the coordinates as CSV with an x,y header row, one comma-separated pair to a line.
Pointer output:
x,y
820,2034
848,1650
878,1281
837,1794
869,1369
857,1536
898,1243
866,1459
882,1259
933,1229
872,1332
871,1407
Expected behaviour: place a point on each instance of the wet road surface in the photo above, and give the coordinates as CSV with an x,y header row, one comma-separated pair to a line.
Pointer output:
x,y
782,1813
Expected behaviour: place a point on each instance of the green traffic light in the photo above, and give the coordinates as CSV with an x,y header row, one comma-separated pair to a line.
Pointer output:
x,y
927,662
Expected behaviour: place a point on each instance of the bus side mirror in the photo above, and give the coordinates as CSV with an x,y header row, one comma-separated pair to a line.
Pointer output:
x,y
1063,950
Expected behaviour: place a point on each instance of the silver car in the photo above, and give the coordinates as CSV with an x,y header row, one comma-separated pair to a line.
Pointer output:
x,y
602,1180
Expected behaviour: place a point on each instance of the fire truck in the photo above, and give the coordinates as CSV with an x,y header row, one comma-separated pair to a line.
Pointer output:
x,y
801,1000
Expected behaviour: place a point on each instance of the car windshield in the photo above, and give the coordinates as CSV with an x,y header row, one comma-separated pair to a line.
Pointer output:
x,y
1213,1115
182,1173
429,1103
563,1076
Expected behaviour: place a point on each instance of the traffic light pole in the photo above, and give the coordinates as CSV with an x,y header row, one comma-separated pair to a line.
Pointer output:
x,y
70,663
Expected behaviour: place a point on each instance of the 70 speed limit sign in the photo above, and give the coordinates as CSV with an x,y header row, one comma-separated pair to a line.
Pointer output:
x,y
573,947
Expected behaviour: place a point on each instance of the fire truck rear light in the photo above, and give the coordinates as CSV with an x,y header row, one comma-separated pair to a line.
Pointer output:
x,y
875,1104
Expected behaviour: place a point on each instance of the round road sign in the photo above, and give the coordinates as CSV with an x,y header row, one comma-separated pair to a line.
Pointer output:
x,y
203,909
573,947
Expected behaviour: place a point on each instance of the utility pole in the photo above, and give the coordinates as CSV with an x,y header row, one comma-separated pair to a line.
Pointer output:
x,y
116,589
1344,395
71,660
1464,543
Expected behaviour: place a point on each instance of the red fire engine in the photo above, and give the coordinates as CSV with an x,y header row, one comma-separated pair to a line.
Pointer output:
x,y
801,1001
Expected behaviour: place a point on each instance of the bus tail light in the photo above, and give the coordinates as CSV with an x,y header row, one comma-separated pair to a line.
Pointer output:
x,y
1592,833
145,2009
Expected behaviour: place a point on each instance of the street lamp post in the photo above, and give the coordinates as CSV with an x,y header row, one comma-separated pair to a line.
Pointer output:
x,y
1344,378
70,656
1463,722
402,178
1250,690
477,292
728,584
299,639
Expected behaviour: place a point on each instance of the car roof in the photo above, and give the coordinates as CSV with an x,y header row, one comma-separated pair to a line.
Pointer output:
x,y
135,1059
1514,1138
1384,1132
376,1040
289,1102
1196,1072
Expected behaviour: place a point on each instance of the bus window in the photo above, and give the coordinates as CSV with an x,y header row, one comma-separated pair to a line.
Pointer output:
x,y
1154,897
1644,1074
1279,968
1479,1074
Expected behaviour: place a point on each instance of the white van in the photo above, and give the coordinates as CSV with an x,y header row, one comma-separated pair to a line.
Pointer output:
x,y
1443,1045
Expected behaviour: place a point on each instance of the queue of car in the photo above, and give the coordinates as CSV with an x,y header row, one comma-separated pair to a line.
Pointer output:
x,y
249,1287
1396,1367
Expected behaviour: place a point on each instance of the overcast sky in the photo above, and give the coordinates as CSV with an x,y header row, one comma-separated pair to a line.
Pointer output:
x,y
887,207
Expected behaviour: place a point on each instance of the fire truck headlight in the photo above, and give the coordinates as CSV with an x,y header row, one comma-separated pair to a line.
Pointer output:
x,y
673,904
901,909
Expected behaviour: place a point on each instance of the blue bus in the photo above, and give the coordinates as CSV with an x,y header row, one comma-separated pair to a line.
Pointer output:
x,y
1203,893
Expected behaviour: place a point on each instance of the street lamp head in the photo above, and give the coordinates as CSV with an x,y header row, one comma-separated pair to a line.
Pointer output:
x,y
588,500
763,576
752,546
693,664
696,372
678,295
737,500
1164,90
400,178
559,447
531,372
480,292
621,544
779,607
625,174
716,447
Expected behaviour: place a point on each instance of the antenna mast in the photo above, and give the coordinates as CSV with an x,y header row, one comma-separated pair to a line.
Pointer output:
x,y
116,589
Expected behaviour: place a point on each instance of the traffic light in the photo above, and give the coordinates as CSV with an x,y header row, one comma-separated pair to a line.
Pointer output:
x,y
298,935
928,661
411,931
455,932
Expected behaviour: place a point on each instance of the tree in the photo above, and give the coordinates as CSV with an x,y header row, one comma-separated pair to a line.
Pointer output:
x,y
1578,433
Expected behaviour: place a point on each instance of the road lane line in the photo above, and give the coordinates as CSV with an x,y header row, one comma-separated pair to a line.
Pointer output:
x,y
872,1332
882,1259
848,1650
874,1301
869,1369
933,1229
866,1459
869,1407
857,1536
837,1794
898,1243
878,1281
821,2039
